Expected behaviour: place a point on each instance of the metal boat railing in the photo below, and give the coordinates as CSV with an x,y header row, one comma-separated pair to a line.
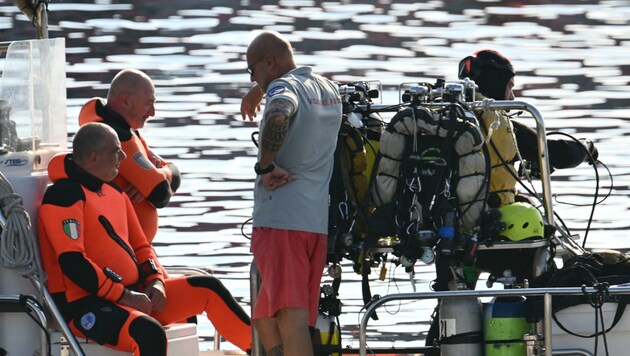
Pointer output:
x,y
547,293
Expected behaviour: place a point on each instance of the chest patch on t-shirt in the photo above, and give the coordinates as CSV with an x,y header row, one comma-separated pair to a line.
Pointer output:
x,y
276,90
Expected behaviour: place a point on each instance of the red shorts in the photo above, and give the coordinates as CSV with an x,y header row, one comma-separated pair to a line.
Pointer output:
x,y
290,264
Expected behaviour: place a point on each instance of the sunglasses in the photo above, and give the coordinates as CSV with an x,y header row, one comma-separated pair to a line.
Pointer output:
x,y
250,68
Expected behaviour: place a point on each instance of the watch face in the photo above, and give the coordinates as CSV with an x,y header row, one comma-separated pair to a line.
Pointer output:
x,y
265,170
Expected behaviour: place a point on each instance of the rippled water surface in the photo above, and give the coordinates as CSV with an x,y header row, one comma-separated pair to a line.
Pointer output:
x,y
571,58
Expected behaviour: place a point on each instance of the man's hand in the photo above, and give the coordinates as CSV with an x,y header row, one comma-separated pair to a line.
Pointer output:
x,y
137,301
155,160
134,194
157,293
250,104
593,153
276,178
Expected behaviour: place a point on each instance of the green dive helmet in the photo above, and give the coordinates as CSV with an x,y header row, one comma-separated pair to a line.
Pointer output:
x,y
522,221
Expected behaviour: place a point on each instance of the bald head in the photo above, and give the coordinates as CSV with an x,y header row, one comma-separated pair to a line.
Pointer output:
x,y
271,42
269,56
128,81
96,149
132,95
91,138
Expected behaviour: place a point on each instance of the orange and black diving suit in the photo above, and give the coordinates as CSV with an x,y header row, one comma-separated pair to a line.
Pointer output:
x,y
155,178
93,248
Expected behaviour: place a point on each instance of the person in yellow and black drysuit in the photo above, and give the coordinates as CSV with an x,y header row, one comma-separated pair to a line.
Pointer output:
x,y
149,180
103,273
494,75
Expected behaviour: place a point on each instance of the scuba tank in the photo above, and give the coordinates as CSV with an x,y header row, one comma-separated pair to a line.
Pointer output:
x,y
460,327
327,338
504,326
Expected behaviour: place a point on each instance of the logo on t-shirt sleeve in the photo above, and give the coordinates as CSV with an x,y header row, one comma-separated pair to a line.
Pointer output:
x,y
276,90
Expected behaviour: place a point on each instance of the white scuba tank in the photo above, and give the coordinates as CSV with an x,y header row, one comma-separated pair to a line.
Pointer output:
x,y
461,327
329,334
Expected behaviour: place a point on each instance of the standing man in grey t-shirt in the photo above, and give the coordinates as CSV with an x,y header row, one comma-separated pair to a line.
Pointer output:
x,y
295,162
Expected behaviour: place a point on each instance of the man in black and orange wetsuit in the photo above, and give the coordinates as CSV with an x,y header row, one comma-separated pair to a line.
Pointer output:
x,y
102,270
149,180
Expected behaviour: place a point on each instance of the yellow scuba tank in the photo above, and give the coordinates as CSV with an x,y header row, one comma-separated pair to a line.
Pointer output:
x,y
329,336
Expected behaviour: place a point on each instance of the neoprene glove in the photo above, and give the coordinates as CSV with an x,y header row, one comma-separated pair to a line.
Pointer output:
x,y
534,169
592,150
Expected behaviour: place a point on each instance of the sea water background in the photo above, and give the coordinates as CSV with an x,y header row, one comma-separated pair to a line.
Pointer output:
x,y
572,59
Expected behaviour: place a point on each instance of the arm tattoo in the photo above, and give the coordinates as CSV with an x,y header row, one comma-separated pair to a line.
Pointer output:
x,y
277,117
276,351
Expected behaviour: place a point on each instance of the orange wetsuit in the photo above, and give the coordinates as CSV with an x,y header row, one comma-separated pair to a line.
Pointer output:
x,y
93,248
140,168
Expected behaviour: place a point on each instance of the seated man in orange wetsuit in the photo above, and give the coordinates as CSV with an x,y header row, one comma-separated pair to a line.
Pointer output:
x,y
101,269
149,180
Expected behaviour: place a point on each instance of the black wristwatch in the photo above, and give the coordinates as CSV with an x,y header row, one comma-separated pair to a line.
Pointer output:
x,y
261,171
147,268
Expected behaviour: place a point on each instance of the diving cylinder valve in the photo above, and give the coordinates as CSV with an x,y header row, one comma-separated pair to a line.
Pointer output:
x,y
461,327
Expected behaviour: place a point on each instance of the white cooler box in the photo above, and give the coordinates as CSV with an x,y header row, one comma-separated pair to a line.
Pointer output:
x,y
182,341
580,319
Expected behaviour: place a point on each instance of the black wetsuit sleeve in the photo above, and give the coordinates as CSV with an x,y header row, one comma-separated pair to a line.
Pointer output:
x,y
562,153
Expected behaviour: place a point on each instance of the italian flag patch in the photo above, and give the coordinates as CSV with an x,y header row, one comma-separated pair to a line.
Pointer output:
x,y
71,228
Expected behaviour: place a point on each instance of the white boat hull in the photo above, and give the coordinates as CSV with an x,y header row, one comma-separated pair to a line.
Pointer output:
x,y
581,320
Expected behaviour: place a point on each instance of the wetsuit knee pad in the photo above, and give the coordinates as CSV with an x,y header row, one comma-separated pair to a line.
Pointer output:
x,y
149,334
98,319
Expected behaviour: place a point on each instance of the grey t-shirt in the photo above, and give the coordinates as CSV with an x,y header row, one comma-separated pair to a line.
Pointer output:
x,y
307,153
